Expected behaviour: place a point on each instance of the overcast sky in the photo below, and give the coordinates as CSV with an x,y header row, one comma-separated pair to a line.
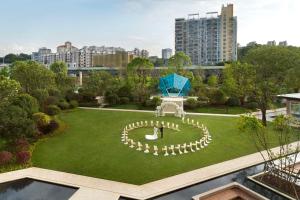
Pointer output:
x,y
27,25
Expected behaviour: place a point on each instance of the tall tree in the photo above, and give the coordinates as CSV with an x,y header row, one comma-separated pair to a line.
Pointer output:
x,y
237,80
62,80
270,66
32,76
179,60
9,89
98,82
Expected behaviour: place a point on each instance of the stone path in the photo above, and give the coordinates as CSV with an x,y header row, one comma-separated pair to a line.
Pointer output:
x,y
94,188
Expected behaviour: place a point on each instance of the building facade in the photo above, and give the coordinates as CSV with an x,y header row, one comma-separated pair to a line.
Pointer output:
x,y
209,40
117,59
166,53
88,56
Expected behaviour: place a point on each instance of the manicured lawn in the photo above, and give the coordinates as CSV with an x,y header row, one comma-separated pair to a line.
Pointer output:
x,y
91,146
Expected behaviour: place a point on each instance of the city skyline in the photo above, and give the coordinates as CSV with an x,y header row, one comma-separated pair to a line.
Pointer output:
x,y
143,24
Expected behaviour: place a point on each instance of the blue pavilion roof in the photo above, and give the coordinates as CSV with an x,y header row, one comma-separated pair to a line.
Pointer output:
x,y
174,85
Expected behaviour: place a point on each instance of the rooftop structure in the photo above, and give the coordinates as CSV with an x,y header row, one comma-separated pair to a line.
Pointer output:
x,y
174,85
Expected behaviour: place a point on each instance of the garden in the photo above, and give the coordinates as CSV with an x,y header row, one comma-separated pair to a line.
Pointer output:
x,y
91,145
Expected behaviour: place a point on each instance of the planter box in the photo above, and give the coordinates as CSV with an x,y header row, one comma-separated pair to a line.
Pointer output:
x,y
230,191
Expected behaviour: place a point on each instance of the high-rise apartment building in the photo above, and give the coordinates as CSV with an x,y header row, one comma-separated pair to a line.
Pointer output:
x,y
208,40
140,53
283,43
166,53
73,56
118,59
271,43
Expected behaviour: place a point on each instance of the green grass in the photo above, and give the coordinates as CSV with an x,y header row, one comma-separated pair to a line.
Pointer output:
x,y
91,146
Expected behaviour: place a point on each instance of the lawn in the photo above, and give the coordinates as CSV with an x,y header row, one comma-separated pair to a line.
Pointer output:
x,y
90,145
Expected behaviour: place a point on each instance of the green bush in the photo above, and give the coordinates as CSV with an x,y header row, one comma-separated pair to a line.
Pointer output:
x,y
217,97
124,100
203,99
41,119
51,127
156,101
71,95
73,104
28,103
63,105
54,92
89,104
52,100
233,101
53,110
252,105
41,95
112,98
191,103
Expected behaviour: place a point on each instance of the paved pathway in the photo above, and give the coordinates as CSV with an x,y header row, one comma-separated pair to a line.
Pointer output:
x,y
94,188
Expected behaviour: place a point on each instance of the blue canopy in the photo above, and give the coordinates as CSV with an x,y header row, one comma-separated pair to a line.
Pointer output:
x,y
174,85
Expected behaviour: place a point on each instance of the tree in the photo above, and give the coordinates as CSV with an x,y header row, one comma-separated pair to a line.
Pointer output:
x,y
213,81
15,123
59,67
8,89
237,80
28,103
270,65
63,82
179,60
32,76
140,67
280,165
139,78
11,58
98,82
5,72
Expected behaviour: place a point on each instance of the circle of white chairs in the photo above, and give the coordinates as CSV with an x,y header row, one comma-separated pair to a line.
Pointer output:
x,y
168,150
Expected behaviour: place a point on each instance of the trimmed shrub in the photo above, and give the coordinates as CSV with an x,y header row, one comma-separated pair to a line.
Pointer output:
x,y
252,105
54,92
124,100
52,126
156,101
217,97
233,101
70,96
89,104
73,104
53,110
112,98
27,103
63,105
191,103
51,100
22,157
41,119
203,98
5,157
22,144
41,95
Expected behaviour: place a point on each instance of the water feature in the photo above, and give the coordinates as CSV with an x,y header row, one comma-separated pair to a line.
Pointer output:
x,y
30,189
